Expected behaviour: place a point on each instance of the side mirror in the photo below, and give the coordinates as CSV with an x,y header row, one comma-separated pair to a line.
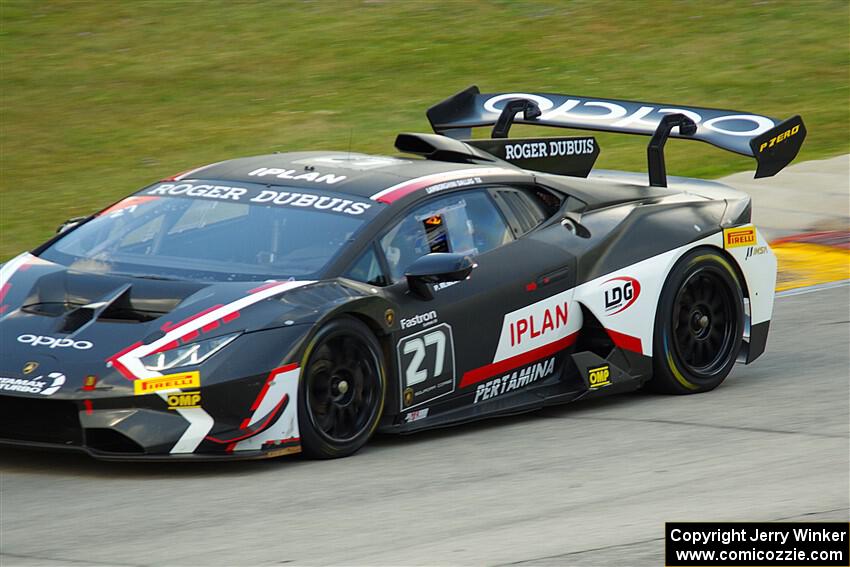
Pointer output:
x,y
69,224
572,222
437,268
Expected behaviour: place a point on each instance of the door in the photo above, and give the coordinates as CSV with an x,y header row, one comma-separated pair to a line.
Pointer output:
x,y
511,312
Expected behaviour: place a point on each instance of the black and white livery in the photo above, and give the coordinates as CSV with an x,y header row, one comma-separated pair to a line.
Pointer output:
x,y
301,301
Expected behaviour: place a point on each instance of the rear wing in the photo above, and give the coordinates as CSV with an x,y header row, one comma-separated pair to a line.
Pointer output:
x,y
773,143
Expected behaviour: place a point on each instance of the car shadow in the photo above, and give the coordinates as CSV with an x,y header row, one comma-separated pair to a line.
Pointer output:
x,y
14,460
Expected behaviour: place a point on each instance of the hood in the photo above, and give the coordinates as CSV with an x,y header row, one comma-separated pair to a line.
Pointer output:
x,y
58,324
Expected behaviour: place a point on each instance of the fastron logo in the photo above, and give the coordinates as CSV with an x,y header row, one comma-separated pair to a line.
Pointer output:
x,y
53,342
419,319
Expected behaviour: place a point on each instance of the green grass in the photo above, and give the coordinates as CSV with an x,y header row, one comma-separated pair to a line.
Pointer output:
x,y
100,98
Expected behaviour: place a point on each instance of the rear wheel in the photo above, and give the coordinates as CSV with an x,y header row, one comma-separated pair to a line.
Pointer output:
x,y
698,324
342,389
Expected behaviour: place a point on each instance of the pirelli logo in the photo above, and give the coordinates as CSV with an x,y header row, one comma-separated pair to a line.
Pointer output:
x,y
735,237
168,382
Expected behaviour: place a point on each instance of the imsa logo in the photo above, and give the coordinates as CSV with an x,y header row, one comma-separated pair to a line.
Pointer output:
x,y
184,400
599,376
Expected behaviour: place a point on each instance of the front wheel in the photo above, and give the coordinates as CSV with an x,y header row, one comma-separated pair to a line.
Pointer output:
x,y
342,389
698,325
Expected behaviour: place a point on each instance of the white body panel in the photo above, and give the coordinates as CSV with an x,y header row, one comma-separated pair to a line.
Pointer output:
x,y
636,321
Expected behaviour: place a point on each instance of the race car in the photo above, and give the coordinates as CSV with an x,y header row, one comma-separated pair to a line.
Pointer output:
x,y
299,302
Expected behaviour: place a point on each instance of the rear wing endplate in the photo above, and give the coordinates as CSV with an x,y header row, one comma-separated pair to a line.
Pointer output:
x,y
773,143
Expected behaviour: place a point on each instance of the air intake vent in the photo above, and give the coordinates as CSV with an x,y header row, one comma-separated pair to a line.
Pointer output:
x,y
42,421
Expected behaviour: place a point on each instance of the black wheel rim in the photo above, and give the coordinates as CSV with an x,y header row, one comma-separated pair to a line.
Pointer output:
x,y
342,387
704,323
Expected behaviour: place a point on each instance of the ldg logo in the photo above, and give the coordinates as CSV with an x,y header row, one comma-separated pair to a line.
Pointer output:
x,y
52,342
620,293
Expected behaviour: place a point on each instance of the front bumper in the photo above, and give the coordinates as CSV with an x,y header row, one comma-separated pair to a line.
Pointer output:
x,y
245,419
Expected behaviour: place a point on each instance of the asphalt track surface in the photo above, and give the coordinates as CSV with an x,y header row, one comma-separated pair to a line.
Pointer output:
x,y
585,484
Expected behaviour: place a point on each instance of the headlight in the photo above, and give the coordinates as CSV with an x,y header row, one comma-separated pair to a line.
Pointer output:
x,y
186,355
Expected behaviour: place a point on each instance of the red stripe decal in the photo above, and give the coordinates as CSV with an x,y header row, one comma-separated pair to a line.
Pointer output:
x,y
263,392
126,203
169,326
165,347
230,317
268,383
266,285
120,367
88,406
190,336
503,366
4,290
625,341
406,190
259,428
210,326
177,176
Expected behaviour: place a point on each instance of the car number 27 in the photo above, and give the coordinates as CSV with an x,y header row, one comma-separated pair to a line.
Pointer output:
x,y
427,366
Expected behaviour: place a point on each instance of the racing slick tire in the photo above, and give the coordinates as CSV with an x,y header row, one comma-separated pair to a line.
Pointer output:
x,y
699,324
342,390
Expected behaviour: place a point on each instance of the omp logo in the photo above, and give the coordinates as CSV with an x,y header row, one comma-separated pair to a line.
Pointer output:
x,y
736,237
168,382
620,293
184,400
599,376
779,138
52,342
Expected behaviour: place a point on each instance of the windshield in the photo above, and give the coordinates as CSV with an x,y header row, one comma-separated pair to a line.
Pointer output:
x,y
217,231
